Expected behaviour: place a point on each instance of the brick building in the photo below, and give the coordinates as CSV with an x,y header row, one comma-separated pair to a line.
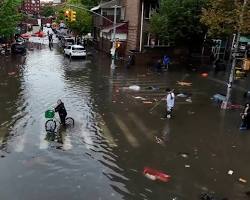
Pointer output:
x,y
31,6
133,18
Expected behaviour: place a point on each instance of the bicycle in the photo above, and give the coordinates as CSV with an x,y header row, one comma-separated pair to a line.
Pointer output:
x,y
51,123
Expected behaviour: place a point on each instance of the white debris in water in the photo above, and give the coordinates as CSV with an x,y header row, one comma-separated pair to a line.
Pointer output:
x,y
134,87
230,172
151,177
189,100
181,95
184,155
138,97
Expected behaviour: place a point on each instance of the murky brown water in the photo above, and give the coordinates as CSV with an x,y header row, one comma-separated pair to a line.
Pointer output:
x,y
103,156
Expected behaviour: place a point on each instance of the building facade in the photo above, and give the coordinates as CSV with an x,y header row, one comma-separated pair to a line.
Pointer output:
x,y
136,15
31,6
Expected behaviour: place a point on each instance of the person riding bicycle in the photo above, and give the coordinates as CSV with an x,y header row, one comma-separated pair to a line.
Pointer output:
x,y
60,108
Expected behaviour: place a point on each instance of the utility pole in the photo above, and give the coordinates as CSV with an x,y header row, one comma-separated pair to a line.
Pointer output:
x,y
235,49
112,51
114,38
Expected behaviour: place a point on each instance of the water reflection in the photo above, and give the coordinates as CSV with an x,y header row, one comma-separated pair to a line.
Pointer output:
x,y
114,136
11,101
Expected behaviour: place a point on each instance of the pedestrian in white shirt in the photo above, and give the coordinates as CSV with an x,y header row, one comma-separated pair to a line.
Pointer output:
x,y
170,99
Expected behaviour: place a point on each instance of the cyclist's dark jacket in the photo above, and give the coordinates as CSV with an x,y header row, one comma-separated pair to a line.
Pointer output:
x,y
61,109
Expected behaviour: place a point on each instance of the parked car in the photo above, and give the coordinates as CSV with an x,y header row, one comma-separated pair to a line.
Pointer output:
x,y
75,51
66,41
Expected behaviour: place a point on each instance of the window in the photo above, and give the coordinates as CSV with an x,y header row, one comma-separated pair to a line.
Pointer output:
x,y
149,9
122,13
78,48
70,41
150,41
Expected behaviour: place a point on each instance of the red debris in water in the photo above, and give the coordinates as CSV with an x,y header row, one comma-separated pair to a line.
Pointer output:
x,y
154,174
204,74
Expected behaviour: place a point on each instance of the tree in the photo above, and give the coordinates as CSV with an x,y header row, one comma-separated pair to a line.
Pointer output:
x,y
9,17
178,21
83,23
90,3
222,17
48,11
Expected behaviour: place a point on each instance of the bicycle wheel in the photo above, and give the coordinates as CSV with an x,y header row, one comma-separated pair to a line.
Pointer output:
x,y
50,125
69,122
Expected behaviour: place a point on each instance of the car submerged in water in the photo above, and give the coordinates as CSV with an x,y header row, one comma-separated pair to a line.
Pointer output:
x,y
75,51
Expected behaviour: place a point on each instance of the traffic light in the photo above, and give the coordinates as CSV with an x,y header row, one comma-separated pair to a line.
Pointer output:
x,y
67,15
73,16
117,44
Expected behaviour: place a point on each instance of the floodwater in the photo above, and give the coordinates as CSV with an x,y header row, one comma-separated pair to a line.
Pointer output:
x,y
115,135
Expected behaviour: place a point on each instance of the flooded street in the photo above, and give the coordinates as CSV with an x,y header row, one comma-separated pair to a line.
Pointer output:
x,y
116,133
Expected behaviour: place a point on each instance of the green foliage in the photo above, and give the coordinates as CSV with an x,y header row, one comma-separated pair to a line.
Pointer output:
x,y
178,21
222,17
48,11
90,3
9,17
59,14
83,23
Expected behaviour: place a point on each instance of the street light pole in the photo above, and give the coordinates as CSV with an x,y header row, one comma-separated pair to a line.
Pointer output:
x,y
114,38
114,28
231,77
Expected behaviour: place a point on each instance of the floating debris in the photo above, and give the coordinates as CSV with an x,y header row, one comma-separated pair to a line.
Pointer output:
x,y
181,95
159,140
242,180
184,155
154,174
230,172
189,100
204,75
141,98
147,102
11,73
134,87
191,112
182,83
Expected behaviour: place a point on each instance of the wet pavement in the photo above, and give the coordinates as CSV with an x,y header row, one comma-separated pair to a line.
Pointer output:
x,y
116,133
